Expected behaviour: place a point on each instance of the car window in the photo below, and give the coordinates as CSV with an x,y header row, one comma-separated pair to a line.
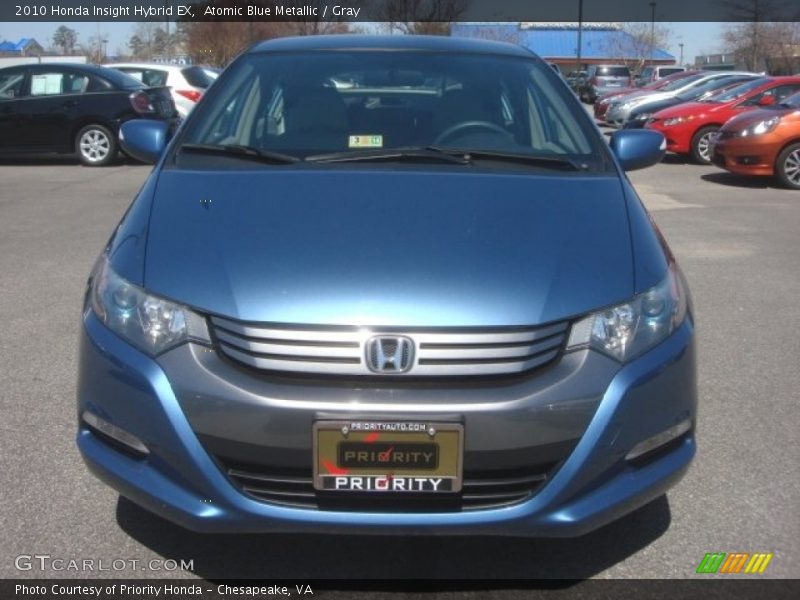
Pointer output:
x,y
149,77
58,82
741,90
792,101
778,93
681,82
11,84
613,71
315,103
198,76
664,71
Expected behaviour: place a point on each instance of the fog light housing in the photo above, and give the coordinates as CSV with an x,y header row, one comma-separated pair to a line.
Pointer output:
x,y
660,439
119,435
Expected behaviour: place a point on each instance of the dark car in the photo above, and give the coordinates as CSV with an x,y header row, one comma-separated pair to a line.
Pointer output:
x,y
423,299
604,79
73,108
639,116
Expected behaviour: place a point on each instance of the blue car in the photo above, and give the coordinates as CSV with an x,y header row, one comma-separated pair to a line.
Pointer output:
x,y
388,284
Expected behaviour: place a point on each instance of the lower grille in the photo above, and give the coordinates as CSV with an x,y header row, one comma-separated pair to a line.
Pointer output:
x,y
294,488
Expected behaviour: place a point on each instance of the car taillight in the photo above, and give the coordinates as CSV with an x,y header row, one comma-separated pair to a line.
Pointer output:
x,y
141,103
192,95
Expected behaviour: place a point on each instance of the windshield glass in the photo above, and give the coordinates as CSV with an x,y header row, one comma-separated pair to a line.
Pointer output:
x,y
741,90
310,103
681,82
705,90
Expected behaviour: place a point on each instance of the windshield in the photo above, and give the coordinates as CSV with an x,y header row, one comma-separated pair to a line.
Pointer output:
x,y
311,103
704,91
681,82
741,90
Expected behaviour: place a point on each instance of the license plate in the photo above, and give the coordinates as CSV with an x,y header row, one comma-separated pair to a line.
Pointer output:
x,y
388,456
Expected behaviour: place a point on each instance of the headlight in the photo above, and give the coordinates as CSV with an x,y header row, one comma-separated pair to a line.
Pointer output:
x,y
674,121
150,323
626,330
643,116
761,127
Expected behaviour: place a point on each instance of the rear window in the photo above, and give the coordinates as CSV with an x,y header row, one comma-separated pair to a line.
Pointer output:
x,y
613,72
670,70
119,79
197,76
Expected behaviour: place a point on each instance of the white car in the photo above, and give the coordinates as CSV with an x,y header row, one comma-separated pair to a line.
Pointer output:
x,y
186,83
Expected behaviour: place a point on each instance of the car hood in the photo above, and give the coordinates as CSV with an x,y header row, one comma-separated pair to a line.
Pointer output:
x,y
393,248
695,109
752,117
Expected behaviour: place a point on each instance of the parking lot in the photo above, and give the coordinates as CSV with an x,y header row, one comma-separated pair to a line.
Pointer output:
x,y
738,241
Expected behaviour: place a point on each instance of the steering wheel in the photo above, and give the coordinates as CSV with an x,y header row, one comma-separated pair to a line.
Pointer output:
x,y
458,127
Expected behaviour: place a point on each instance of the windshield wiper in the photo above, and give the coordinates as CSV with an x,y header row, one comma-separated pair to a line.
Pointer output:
x,y
555,162
247,152
412,153
451,155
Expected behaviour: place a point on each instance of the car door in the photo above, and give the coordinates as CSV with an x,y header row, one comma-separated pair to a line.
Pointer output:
x,y
12,87
53,103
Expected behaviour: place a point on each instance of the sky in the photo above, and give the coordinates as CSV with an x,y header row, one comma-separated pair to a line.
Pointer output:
x,y
698,38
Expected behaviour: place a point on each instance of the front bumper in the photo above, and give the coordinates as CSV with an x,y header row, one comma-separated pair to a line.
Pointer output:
x,y
170,404
750,157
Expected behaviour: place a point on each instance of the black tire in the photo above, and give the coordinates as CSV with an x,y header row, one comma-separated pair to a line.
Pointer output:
x,y
699,147
96,145
787,167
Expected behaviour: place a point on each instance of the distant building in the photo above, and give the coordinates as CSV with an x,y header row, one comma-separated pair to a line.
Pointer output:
x,y
558,42
24,47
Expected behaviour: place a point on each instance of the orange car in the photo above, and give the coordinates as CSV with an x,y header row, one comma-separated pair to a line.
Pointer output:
x,y
762,142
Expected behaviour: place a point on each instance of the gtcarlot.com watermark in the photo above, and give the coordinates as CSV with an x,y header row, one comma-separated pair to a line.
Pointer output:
x,y
47,562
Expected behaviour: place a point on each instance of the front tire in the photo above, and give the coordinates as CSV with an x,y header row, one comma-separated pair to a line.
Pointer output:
x,y
701,145
787,167
96,145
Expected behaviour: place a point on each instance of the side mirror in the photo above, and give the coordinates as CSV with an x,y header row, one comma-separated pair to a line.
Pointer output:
x,y
766,100
144,139
638,148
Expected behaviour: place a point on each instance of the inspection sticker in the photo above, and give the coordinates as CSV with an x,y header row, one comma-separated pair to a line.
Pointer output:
x,y
365,141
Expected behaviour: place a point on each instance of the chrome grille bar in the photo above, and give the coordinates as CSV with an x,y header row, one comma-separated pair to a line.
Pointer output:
x,y
341,350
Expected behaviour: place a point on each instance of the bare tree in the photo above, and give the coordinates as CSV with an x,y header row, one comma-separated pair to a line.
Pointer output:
x,y
636,44
425,17
756,36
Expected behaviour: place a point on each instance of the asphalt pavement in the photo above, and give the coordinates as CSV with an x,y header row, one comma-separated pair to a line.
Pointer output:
x,y
738,241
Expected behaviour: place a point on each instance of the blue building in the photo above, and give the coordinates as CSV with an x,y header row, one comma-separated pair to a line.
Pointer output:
x,y
557,43
24,47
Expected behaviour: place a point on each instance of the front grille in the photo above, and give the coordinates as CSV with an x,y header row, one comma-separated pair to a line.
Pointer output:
x,y
342,350
294,488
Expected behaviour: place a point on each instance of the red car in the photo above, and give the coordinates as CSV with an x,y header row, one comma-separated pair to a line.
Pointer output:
x,y
690,127
601,104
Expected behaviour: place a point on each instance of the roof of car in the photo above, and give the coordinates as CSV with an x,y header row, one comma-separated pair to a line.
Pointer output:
x,y
389,42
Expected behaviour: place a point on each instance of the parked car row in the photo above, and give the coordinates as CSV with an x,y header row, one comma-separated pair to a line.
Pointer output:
x,y
79,108
74,108
747,123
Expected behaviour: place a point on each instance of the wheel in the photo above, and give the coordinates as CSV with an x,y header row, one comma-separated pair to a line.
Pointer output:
x,y
95,145
700,146
459,127
787,167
